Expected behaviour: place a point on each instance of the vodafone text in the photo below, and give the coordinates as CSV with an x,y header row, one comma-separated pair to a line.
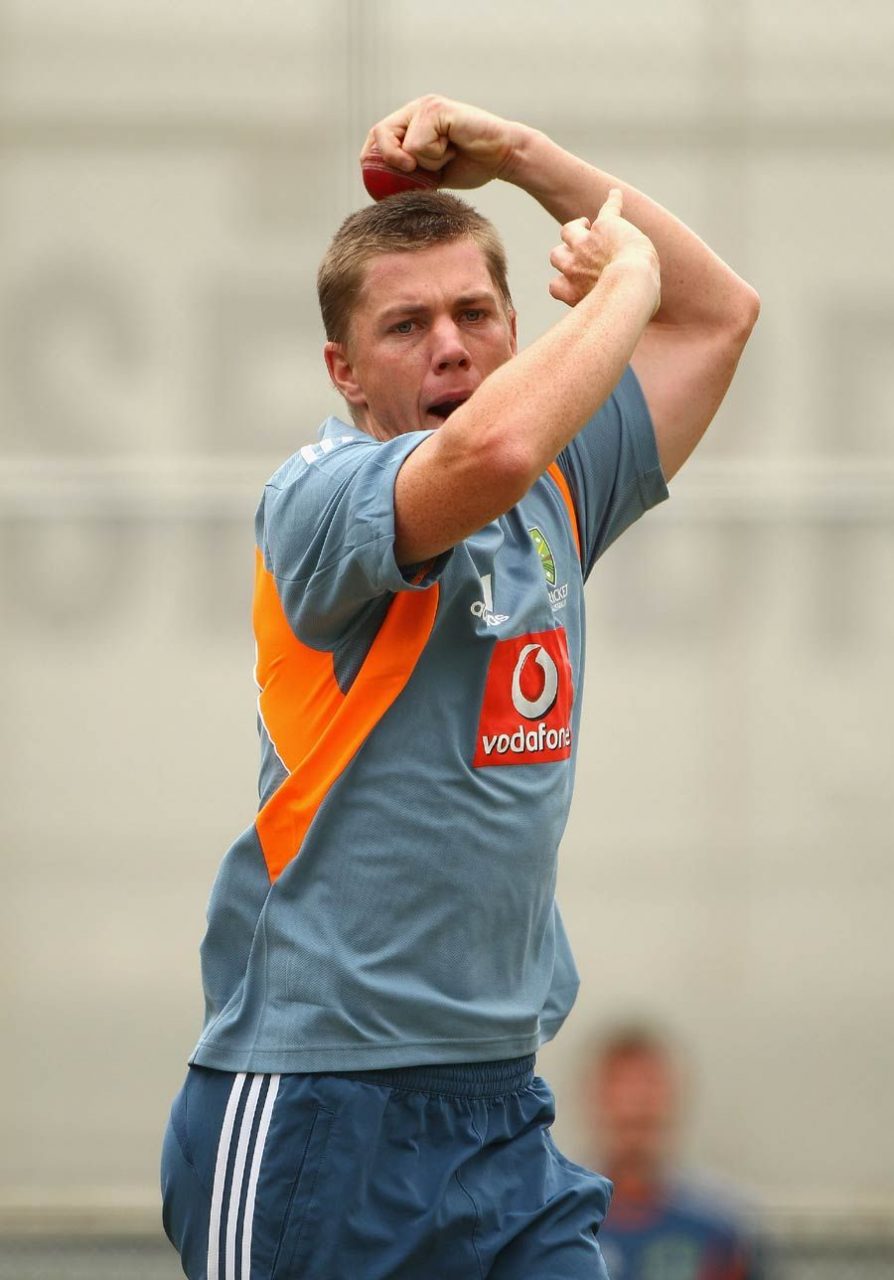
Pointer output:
x,y
523,740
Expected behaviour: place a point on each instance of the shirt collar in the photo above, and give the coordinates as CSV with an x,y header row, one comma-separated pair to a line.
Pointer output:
x,y
333,428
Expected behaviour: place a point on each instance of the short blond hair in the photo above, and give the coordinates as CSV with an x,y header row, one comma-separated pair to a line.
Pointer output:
x,y
400,224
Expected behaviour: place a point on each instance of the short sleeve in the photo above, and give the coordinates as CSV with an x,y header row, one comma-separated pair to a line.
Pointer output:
x,y
325,527
612,469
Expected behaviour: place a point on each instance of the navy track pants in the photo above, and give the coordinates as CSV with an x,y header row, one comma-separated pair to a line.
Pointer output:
x,y
424,1173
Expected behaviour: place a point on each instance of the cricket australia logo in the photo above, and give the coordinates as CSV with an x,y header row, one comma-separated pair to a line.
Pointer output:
x,y
546,556
528,697
558,596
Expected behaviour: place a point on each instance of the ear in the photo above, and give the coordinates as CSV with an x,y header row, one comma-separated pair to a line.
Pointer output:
x,y
342,374
513,328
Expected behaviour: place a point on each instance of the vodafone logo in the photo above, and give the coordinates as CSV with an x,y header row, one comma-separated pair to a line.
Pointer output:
x,y
534,709
526,710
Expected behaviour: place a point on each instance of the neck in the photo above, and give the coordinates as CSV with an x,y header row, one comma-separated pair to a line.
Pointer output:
x,y
636,1187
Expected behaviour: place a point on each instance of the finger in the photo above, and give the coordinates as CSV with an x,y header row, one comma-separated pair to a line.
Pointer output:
x,y
387,141
427,137
562,291
435,165
387,137
613,203
561,258
575,231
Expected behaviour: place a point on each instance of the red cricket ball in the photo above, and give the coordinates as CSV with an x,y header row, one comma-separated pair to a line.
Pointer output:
x,y
381,180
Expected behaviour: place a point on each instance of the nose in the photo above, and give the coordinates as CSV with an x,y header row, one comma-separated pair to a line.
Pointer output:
x,y
448,347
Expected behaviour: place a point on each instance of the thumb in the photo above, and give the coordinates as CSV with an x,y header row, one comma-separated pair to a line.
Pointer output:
x,y
613,203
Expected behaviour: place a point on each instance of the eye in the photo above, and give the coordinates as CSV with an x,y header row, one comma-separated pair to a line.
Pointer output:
x,y
475,314
403,326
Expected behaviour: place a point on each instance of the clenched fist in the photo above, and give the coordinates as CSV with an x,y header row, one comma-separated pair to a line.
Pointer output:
x,y
466,145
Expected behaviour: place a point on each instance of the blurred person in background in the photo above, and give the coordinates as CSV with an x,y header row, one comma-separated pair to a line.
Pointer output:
x,y
662,1224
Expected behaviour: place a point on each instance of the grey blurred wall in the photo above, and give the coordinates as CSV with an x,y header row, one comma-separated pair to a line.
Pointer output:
x,y
170,176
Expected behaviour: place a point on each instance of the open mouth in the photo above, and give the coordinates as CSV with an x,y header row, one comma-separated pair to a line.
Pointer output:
x,y
444,408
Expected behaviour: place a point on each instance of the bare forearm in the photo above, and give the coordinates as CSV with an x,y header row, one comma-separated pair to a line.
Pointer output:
x,y
558,382
697,287
492,449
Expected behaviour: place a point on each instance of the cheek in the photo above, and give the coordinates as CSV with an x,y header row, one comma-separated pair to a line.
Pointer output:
x,y
402,367
493,351
394,378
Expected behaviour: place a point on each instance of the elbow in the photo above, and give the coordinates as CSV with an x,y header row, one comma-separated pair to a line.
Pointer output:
x,y
730,333
745,315
513,467
492,468
509,463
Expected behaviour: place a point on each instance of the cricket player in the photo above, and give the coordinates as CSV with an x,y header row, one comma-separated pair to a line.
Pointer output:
x,y
384,953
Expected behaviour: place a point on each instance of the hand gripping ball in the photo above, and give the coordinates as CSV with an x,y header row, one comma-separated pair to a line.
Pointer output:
x,y
381,180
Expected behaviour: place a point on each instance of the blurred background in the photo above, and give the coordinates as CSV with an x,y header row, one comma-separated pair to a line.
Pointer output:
x,y
171,175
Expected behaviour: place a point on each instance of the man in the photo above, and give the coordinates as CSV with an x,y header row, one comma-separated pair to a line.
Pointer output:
x,y
384,953
660,1226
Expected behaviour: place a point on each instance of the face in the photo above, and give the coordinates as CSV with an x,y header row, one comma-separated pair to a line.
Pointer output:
x,y
428,329
635,1108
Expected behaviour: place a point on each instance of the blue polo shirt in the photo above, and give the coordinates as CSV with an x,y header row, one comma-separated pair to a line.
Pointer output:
x,y
393,901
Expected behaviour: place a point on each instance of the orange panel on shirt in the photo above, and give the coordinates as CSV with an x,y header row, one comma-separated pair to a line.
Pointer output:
x,y
299,692
556,473
316,729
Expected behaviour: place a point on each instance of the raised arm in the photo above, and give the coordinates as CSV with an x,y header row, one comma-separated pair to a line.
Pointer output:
x,y
493,447
687,355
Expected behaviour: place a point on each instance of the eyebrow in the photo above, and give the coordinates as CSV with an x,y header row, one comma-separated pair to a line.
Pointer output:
x,y
420,308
